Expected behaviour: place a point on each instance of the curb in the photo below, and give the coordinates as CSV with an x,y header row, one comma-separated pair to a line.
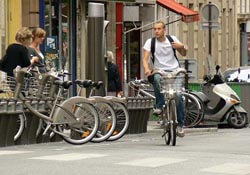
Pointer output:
x,y
153,126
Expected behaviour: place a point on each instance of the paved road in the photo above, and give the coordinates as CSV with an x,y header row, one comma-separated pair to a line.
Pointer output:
x,y
222,152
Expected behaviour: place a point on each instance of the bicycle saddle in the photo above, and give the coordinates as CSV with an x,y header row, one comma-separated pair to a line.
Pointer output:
x,y
97,85
84,83
64,84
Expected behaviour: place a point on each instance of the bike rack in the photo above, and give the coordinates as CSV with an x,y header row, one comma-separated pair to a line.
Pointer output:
x,y
9,111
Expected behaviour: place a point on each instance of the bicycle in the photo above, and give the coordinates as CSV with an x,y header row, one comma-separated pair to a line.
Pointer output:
x,y
193,110
62,119
105,111
7,87
104,108
118,105
122,117
107,117
171,84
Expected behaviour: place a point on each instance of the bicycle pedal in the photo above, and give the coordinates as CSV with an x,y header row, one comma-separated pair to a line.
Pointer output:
x,y
164,134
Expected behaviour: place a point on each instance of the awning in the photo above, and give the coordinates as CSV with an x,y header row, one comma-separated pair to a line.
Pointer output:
x,y
123,0
187,14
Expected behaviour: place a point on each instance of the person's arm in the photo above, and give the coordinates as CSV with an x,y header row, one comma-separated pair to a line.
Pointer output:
x,y
145,60
180,48
146,56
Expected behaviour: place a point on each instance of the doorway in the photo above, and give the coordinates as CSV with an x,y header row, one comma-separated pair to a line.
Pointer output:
x,y
133,47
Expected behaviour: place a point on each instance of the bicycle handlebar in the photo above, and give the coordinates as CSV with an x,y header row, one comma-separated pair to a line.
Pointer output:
x,y
170,74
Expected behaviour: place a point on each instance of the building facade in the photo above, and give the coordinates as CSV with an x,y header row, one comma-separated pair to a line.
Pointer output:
x,y
230,42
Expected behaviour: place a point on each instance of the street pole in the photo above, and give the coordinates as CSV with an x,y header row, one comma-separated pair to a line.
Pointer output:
x,y
41,20
210,29
73,44
60,35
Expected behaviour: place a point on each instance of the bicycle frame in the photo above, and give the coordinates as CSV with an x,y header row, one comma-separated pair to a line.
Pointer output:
x,y
59,111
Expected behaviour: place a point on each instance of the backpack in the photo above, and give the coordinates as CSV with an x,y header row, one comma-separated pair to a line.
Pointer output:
x,y
170,39
3,62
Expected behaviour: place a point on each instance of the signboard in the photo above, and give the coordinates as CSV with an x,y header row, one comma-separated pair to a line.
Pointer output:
x,y
213,25
210,13
214,12
50,46
51,52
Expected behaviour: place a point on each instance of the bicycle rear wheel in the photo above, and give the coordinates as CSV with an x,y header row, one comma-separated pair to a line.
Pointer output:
x,y
122,121
84,126
107,121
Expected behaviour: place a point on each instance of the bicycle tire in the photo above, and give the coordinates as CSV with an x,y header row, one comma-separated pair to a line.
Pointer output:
x,y
107,123
173,123
194,111
166,126
85,127
122,121
20,126
168,134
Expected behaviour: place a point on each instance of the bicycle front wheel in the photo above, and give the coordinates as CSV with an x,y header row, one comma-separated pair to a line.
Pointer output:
x,y
170,136
107,121
20,126
122,121
83,127
194,111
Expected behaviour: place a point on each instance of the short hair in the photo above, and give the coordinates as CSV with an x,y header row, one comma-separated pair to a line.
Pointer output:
x,y
161,22
38,32
110,56
23,35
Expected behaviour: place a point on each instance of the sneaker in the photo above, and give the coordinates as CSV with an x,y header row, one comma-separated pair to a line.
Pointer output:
x,y
157,111
180,131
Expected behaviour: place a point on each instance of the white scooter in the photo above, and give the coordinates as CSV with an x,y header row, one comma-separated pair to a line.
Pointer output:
x,y
224,106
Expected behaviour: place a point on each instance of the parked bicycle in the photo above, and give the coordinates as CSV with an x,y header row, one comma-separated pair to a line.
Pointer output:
x,y
113,131
62,120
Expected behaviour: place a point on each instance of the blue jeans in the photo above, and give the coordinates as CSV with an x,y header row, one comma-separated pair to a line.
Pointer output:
x,y
160,101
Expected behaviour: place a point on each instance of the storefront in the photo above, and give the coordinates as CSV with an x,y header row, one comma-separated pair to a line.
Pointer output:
x,y
2,28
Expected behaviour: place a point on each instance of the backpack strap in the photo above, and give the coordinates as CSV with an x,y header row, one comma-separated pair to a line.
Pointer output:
x,y
170,39
153,50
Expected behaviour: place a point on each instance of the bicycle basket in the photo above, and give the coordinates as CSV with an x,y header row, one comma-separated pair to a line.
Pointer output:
x,y
171,83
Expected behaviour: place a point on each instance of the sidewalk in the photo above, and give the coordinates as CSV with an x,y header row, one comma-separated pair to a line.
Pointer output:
x,y
154,126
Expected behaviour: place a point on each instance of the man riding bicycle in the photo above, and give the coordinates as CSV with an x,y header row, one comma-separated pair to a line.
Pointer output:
x,y
164,58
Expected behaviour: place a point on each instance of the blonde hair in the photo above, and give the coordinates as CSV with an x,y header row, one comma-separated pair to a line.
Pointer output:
x,y
110,56
38,32
161,22
23,35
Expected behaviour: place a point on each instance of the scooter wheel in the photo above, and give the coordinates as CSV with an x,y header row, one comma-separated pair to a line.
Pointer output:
x,y
237,121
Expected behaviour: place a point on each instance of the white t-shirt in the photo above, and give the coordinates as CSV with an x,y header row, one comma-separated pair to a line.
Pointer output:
x,y
164,54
